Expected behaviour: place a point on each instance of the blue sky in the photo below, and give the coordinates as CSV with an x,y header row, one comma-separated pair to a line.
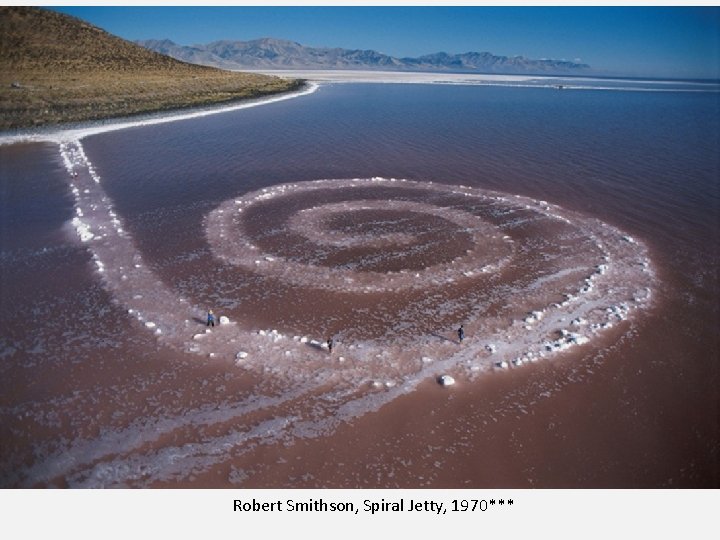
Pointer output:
x,y
640,41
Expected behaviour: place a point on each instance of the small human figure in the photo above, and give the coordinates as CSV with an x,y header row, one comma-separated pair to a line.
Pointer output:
x,y
330,344
461,333
210,318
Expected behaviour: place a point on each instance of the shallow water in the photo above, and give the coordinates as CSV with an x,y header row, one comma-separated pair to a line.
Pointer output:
x,y
112,381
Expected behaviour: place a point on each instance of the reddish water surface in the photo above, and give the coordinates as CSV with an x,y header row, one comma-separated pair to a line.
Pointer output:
x,y
112,381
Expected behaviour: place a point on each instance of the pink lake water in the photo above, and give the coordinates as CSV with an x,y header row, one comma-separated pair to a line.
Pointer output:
x,y
573,234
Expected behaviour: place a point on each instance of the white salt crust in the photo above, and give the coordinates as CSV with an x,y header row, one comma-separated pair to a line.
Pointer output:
x,y
607,281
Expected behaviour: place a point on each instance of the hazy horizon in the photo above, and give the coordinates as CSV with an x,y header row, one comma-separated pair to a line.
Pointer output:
x,y
667,42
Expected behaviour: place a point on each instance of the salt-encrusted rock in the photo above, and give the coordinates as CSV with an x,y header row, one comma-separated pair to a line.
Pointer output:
x,y
502,364
224,320
150,324
426,359
241,355
572,337
490,348
446,380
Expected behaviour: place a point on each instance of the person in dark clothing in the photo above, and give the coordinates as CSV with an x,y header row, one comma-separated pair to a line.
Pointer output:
x,y
330,344
461,333
210,318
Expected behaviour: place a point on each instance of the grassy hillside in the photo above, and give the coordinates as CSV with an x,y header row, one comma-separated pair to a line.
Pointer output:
x,y
55,68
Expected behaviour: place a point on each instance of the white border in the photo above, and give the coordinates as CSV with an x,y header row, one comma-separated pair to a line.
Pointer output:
x,y
178,514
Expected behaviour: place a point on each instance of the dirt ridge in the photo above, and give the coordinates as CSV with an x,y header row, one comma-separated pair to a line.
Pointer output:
x,y
55,68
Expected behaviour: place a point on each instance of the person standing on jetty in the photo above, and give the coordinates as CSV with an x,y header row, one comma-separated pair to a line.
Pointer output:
x,y
461,333
210,318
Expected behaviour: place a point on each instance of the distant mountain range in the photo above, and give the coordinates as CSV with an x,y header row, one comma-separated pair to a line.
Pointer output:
x,y
268,53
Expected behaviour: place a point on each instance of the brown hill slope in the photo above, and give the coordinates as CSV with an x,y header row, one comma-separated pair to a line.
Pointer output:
x,y
55,68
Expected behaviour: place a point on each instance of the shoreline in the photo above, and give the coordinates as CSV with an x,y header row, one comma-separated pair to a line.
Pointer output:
x,y
89,380
358,75
554,82
79,130
310,80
